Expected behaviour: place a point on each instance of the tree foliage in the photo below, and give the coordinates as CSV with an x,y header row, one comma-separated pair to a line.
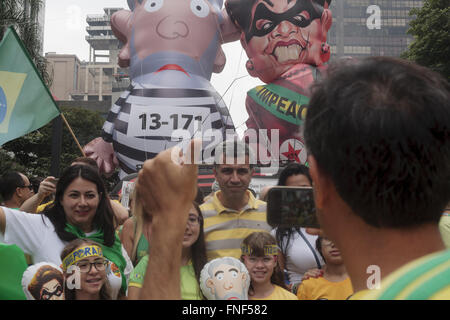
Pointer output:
x,y
22,15
431,31
31,154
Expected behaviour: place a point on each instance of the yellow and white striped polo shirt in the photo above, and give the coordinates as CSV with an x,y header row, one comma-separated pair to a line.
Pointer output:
x,y
226,228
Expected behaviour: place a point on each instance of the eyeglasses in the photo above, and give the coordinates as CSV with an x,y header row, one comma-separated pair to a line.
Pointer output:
x,y
85,267
194,220
30,186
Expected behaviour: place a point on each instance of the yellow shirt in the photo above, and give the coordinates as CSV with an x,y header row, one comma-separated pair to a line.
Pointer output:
x,y
323,289
279,294
226,228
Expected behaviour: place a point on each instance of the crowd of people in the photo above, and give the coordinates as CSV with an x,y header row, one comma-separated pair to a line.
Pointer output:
x,y
378,139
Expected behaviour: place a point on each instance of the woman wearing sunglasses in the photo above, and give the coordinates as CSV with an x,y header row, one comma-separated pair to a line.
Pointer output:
x,y
85,271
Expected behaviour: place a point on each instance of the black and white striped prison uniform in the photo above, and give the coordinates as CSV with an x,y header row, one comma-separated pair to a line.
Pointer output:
x,y
132,150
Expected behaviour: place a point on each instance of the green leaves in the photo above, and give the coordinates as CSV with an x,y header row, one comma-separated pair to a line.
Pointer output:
x,y
12,13
32,152
431,31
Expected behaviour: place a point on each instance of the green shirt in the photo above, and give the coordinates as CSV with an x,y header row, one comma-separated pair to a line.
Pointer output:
x,y
12,267
190,289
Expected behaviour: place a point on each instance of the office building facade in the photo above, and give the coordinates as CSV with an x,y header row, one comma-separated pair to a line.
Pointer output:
x,y
370,27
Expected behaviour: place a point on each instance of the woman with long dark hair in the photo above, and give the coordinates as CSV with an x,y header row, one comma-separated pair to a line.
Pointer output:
x,y
81,210
193,258
298,252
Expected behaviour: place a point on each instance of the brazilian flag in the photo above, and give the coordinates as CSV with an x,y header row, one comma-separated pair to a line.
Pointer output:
x,y
26,104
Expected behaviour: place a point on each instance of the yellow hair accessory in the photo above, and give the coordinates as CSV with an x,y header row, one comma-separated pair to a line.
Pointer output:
x,y
269,250
80,254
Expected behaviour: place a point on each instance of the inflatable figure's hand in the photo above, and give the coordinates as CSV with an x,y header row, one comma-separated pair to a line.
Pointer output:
x,y
103,153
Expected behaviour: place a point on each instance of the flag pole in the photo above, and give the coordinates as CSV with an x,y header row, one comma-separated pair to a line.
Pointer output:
x,y
73,135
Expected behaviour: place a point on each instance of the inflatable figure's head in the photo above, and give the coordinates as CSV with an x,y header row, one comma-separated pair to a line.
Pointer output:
x,y
278,34
189,28
225,279
43,281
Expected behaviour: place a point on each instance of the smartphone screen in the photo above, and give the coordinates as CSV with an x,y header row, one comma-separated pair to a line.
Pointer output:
x,y
289,207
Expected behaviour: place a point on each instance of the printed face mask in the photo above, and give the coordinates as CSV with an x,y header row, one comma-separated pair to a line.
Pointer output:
x,y
300,15
47,294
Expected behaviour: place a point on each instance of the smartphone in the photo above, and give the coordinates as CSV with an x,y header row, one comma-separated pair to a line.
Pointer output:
x,y
289,207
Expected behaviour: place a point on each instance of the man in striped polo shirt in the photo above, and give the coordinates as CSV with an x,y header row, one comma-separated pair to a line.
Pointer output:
x,y
232,213
378,137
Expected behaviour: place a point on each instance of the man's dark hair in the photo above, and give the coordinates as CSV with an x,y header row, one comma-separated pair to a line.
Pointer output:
x,y
380,129
9,182
293,169
228,149
240,11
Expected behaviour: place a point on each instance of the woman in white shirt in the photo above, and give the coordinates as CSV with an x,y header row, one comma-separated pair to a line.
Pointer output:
x,y
81,210
298,252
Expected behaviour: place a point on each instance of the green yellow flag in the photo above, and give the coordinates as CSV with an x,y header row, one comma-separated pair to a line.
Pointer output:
x,y
26,104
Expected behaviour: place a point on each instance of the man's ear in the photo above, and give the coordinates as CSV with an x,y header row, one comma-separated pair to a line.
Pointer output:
x,y
321,183
19,192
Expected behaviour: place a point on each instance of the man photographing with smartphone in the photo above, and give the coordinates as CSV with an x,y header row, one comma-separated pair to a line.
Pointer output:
x,y
378,139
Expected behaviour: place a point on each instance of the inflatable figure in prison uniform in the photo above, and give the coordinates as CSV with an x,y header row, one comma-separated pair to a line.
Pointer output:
x,y
171,49
149,118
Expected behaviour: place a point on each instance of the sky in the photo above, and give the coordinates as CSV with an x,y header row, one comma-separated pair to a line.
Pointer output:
x,y
65,31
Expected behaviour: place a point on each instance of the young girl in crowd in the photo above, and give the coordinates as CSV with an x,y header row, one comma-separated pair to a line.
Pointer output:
x,y
193,257
298,254
135,235
335,283
81,210
260,256
91,269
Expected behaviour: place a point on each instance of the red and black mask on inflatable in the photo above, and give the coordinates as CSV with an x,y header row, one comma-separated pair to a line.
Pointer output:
x,y
282,33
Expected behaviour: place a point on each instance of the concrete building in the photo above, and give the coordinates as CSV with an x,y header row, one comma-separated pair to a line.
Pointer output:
x,y
370,27
67,71
99,81
104,80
